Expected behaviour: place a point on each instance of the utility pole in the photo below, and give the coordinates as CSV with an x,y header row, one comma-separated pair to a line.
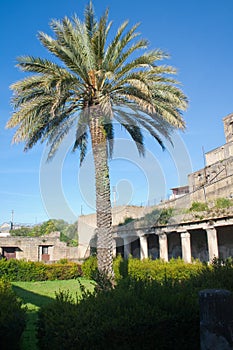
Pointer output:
x,y
205,182
12,220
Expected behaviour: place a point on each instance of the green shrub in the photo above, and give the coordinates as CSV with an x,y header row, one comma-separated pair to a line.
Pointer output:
x,y
120,268
126,221
12,317
151,297
165,215
21,270
198,206
147,269
221,203
134,315
89,267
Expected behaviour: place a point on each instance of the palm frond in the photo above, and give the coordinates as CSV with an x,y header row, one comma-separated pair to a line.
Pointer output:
x,y
99,39
81,136
120,78
136,134
57,135
112,47
76,57
90,20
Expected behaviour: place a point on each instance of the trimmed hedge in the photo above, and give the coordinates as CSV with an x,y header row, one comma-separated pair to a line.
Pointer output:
x,y
147,269
21,270
218,274
12,317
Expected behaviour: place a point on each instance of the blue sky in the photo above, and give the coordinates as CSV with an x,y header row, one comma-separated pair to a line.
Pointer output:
x,y
197,34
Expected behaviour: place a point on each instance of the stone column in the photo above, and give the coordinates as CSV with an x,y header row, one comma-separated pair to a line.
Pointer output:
x,y
143,247
127,247
186,246
163,248
212,243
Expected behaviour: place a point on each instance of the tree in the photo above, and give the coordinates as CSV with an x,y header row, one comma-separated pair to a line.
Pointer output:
x,y
100,79
22,231
47,227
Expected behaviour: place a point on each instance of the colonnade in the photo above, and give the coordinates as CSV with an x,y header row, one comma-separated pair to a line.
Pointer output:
x,y
163,244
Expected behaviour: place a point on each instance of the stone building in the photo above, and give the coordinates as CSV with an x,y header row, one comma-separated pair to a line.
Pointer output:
x,y
199,239
202,239
47,248
216,179
178,192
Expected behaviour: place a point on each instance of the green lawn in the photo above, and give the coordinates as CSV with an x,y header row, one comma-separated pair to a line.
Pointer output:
x,y
37,294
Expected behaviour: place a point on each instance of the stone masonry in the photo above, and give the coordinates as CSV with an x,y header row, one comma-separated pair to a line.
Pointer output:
x,y
44,248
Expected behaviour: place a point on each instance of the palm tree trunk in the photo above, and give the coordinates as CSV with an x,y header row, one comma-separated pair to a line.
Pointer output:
x,y
103,201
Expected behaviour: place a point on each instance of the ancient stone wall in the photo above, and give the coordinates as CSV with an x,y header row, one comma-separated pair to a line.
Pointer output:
x,y
218,189
87,223
31,248
219,154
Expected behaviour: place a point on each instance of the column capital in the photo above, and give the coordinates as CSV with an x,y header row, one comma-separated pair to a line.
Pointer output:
x,y
184,234
142,237
162,235
210,228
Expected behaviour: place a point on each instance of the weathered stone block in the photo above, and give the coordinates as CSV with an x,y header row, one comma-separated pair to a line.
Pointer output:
x,y
216,319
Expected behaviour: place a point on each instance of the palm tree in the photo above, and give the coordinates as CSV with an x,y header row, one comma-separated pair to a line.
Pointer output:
x,y
99,79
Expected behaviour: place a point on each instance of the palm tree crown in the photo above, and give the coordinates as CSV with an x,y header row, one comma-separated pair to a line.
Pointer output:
x,y
99,79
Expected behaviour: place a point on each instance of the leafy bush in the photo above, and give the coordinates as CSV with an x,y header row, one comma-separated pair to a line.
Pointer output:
x,y
89,267
219,274
157,216
21,270
126,221
12,317
165,215
175,270
151,297
134,315
198,206
158,270
223,203
120,268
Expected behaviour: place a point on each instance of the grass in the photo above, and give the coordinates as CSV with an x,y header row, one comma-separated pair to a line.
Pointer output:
x,y
37,294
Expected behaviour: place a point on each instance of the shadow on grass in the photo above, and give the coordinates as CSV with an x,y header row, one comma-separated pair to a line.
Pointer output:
x,y
28,340
31,297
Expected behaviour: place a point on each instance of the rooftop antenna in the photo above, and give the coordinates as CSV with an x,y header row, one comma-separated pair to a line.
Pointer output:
x,y
204,157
